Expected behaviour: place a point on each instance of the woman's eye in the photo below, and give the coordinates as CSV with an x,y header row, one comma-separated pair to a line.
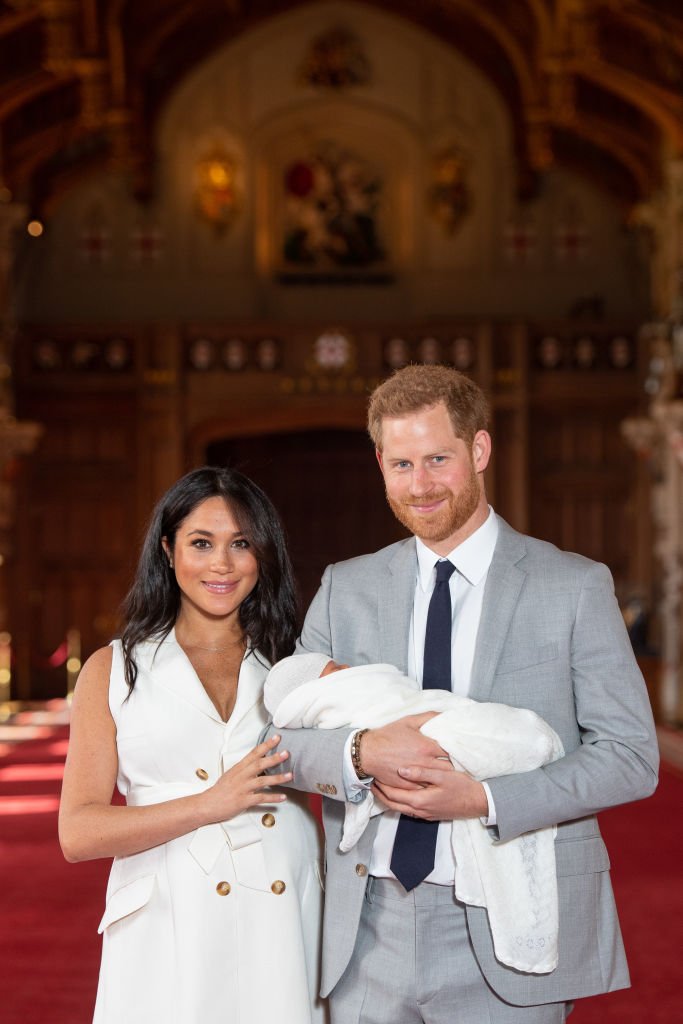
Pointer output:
x,y
200,543
242,543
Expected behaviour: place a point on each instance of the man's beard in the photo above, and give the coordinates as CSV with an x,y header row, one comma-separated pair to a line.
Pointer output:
x,y
447,519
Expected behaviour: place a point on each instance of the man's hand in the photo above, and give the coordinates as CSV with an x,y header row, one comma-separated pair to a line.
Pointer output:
x,y
384,750
438,794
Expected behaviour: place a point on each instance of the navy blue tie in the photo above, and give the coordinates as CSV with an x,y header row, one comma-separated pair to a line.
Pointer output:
x,y
412,858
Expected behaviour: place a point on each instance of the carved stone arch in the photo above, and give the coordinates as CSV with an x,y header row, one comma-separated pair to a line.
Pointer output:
x,y
528,84
646,97
397,139
167,27
544,24
616,145
259,421
392,145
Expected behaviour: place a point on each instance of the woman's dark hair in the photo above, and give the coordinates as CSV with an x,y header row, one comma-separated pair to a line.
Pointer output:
x,y
267,615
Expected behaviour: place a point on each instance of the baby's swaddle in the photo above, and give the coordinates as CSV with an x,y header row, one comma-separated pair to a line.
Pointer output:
x,y
514,880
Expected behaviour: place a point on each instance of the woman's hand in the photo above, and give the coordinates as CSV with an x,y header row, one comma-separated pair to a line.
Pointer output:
x,y
244,785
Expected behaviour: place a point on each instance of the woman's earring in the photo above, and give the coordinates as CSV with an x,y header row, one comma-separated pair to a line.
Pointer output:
x,y
170,563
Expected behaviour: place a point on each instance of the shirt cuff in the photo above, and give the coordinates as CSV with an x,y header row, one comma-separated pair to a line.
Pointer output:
x,y
492,820
355,789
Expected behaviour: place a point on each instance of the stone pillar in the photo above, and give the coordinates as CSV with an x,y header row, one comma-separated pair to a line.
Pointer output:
x,y
662,216
94,90
659,435
659,438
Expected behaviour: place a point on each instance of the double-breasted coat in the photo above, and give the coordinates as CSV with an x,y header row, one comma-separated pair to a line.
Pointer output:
x,y
220,926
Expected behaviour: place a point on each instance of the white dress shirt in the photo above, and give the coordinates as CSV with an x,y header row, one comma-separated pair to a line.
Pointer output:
x,y
472,560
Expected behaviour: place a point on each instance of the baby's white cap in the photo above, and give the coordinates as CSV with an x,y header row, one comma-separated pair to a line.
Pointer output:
x,y
289,673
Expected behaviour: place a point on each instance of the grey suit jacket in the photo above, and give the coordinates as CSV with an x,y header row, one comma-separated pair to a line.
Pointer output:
x,y
552,639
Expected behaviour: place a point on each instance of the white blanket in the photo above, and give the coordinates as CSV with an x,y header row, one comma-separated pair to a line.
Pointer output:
x,y
514,880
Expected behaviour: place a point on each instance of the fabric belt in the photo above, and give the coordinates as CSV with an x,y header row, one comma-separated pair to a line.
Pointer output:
x,y
242,834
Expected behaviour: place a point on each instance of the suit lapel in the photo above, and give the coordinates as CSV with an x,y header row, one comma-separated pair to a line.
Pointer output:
x,y
503,586
253,672
395,595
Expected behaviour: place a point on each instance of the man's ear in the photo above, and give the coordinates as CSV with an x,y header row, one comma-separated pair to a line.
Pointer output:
x,y
481,450
378,456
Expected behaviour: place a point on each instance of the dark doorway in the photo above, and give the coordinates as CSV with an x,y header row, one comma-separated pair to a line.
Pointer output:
x,y
327,487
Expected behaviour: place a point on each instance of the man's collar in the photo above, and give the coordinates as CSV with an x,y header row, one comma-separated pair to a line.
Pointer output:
x,y
472,558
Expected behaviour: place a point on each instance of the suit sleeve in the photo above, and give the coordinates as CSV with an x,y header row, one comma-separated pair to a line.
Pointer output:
x,y
617,759
316,755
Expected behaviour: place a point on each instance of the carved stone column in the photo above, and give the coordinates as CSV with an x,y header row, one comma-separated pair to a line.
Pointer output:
x,y
659,437
662,215
94,90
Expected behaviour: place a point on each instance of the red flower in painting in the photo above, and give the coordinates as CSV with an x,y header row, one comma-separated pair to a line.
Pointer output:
x,y
299,179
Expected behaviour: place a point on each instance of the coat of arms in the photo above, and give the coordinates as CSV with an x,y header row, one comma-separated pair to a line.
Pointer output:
x,y
332,204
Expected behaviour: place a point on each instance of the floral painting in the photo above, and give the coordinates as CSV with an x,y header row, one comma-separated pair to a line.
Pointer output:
x,y
333,199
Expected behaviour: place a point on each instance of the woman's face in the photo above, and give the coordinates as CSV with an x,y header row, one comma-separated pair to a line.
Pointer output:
x,y
212,559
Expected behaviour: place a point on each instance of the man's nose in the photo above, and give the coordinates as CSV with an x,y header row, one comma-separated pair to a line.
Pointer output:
x,y
420,482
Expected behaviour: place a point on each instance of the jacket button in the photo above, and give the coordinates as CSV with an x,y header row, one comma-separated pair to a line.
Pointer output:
x,y
361,870
268,820
202,774
278,888
223,888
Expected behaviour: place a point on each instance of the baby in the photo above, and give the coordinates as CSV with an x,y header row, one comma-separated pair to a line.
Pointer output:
x,y
515,880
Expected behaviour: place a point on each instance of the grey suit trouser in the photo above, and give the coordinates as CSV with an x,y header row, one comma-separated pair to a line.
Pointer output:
x,y
413,963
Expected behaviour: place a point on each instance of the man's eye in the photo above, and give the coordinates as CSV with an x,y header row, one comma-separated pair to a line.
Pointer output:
x,y
438,459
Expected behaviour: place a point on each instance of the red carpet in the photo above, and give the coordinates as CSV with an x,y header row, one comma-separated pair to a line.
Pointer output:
x,y
49,910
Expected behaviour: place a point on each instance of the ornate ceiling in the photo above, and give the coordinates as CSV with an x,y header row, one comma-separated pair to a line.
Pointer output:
x,y
594,84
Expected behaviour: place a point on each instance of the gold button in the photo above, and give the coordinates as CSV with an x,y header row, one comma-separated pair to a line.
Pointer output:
x,y
361,870
268,820
223,888
278,888
202,774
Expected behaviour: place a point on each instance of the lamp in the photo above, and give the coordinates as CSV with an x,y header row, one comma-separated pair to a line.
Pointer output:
x,y
216,193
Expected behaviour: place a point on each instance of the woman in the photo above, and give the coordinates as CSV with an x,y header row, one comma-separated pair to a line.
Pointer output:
x,y
214,900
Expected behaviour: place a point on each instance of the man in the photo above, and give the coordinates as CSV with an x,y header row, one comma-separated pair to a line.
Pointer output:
x,y
517,622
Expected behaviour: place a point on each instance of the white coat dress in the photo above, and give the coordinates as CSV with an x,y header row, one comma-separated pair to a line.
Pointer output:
x,y
220,926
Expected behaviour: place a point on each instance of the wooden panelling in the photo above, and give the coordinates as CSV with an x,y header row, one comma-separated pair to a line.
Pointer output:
x,y
118,431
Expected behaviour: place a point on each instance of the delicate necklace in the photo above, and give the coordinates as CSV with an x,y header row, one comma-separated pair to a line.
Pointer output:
x,y
217,650
214,650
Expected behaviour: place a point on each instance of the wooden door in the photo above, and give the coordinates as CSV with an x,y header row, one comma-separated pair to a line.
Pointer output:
x,y
583,495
